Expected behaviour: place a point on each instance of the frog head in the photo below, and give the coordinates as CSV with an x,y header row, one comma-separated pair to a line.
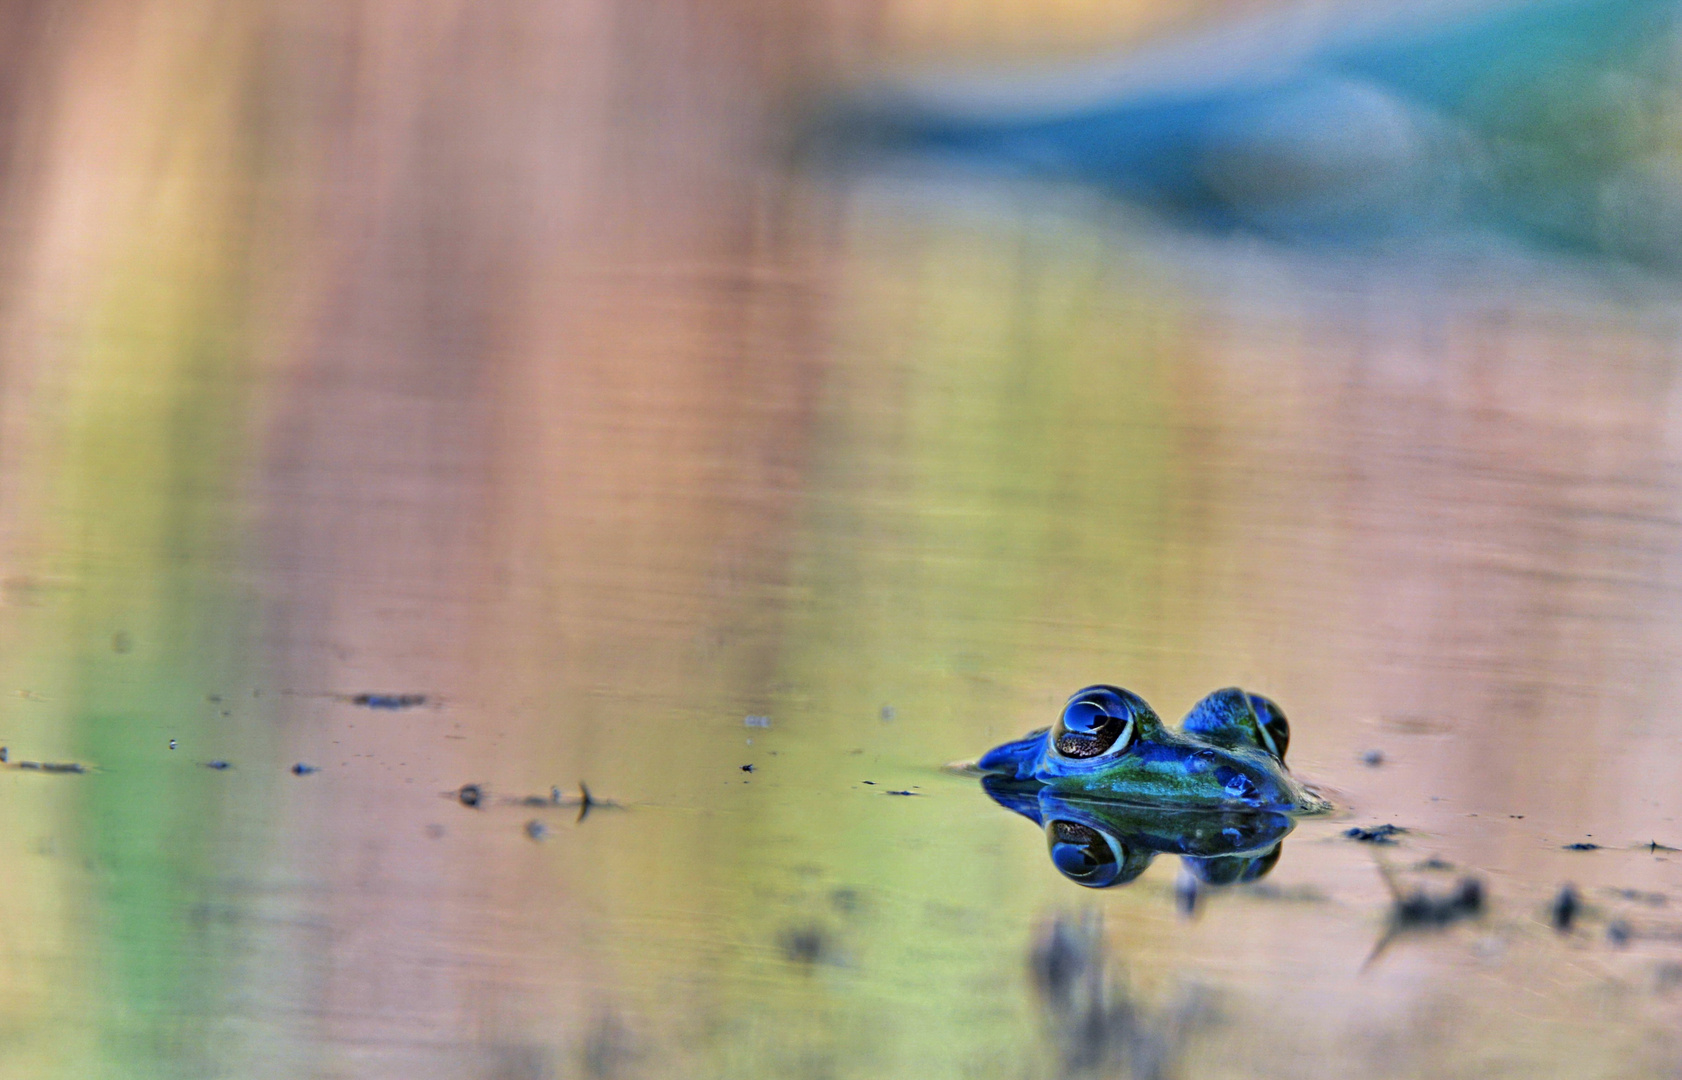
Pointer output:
x,y
1109,744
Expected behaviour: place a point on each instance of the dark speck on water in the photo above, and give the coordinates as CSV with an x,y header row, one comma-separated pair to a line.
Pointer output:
x,y
388,701
536,829
218,765
1618,932
904,793
1373,758
5,755
747,768
53,766
1565,908
804,945
1380,834
470,794
1583,845
300,769
172,744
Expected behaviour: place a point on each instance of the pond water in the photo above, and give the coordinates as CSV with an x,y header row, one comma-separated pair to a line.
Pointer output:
x,y
705,468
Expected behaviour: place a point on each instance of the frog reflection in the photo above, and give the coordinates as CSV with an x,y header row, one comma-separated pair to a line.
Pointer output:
x,y
1229,754
1099,843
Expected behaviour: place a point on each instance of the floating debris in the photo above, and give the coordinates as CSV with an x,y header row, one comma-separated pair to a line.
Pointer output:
x,y
5,755
300,769
1419,910
756,721
1381,834
388,701
1582,845
584,800
1565,908
172,744
1372,758
1654,847
536,829
1099,1026
903,793
218,765
470,794
747,768
53,766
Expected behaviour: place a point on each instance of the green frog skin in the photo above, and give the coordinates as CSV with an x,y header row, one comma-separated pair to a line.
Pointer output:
x,y
1108,744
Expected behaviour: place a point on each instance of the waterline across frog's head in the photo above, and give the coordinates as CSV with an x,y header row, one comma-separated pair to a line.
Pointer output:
x,y
1109,744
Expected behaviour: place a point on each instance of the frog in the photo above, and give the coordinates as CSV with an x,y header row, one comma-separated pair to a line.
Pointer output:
x,y
1109,744
1101,843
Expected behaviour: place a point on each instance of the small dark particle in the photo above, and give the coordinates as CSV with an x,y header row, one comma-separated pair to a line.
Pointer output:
x,y
1618,932
747,768
172,744
536,829
1565,908
53,766
872,783
1654,847
1373,758
536,800
5,755
1380,834
218,765
470,794
904,793
388,701
1435,863
1516,817
215,699
1582,846
804,945
888,714
300,769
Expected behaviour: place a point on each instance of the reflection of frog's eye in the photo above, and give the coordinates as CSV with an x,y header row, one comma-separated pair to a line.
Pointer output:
x,y
1098,720
1083,854
1275,732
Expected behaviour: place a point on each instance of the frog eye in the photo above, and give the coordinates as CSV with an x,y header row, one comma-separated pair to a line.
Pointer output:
x,y
1275,731
1083,854
1097,720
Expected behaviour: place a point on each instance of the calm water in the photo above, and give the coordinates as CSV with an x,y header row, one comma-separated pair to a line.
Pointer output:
x,y
317,384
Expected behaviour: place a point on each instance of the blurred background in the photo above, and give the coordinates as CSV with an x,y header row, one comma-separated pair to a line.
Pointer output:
x,y
828,386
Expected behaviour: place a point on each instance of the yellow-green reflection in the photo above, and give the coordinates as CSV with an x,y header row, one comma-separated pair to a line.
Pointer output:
x,y
985,524
133,626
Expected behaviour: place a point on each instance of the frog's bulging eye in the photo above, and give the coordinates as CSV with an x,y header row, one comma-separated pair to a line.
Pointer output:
x,y
1097,720
1275,731
1083,854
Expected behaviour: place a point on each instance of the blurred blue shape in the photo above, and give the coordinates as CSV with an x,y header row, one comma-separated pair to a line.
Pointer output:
x,y
1558,122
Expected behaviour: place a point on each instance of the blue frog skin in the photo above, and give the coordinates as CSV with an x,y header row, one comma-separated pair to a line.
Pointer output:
x,y
1100,843
1108,744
